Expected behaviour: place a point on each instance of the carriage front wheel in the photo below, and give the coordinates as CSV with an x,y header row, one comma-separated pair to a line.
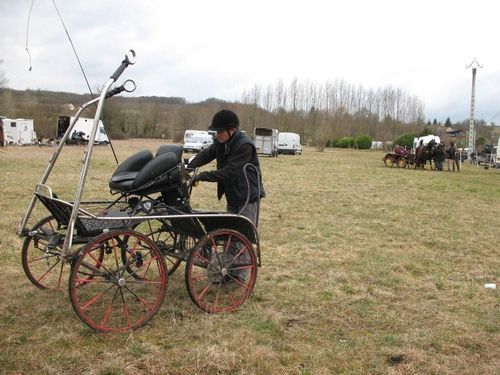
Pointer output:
x,y
221,271
42,258
118,295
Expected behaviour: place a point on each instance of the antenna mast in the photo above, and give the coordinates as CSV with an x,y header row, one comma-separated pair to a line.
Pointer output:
x,y
472,132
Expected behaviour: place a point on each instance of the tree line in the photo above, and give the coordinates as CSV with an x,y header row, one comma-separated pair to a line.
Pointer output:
x,y
322,113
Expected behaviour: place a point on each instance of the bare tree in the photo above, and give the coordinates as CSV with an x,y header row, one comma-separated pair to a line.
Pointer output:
x,y
3,81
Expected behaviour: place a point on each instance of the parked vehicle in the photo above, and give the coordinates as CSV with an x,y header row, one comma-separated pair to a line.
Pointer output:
x,y
289,143
487,156
400,157
423,141
17,131
198,142
497,158
188,134
82,125
266,141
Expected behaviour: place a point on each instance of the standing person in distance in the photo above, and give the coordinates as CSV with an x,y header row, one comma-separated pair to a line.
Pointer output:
x,y
233,150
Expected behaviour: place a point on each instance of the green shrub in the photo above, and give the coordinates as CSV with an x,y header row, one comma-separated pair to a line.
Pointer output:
x,y
345,142
363,142
406,140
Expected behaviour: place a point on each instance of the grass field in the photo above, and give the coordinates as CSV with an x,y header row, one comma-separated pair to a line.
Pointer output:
x,y
366,269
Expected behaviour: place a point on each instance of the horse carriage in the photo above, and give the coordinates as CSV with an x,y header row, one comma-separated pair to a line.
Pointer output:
x,y
118,254
400,157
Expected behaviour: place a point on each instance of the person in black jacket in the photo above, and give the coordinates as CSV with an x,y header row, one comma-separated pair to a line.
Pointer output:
x,y
238,168
452,157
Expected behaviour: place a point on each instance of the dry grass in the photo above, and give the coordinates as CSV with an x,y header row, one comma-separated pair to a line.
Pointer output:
x,y
366,269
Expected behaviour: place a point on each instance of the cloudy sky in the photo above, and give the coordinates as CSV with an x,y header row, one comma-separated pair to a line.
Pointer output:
x,y
199,49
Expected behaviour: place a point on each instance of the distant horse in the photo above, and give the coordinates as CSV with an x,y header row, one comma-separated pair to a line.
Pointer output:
x,y
424,154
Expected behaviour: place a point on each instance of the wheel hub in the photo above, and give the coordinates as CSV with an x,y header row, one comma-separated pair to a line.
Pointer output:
x,y
217,269
121,281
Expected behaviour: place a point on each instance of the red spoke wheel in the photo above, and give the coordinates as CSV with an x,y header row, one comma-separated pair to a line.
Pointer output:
x,y
221,271
118,295
42,263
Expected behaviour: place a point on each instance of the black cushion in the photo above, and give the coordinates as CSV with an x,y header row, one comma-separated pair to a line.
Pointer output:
x,y
176,149
143,174
157,168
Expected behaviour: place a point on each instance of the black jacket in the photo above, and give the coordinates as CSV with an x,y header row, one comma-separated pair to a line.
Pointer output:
x,y
232,157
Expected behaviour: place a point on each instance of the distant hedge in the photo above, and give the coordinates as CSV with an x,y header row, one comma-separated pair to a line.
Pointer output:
x,y
362,142
406,140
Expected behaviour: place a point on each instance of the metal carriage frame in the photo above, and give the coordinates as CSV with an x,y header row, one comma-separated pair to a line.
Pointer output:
x,y
119,254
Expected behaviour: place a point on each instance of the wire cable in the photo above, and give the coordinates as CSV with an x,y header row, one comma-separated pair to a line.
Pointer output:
x,y
76,55
74,50
27,33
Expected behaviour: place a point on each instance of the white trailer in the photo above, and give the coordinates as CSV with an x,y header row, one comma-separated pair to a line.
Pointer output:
x,y
289,143
422,141
498,154
83,125
266,141
17,131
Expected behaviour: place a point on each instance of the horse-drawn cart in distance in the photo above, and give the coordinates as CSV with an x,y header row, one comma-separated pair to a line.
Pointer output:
x,y
119,253
401,157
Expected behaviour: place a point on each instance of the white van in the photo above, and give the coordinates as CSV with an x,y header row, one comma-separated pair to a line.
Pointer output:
x,y
197,141
83,125
191,133
289,143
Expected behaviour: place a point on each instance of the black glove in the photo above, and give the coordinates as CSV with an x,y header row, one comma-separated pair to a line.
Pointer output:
x,y
202,176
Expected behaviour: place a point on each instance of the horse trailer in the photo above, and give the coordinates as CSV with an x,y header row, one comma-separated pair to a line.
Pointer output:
x,y
266,141
17,131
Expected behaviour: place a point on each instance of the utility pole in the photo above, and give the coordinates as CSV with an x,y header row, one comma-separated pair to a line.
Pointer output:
x,y
472,132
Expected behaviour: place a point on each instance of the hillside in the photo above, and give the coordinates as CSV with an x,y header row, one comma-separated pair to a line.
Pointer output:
x,y
168,117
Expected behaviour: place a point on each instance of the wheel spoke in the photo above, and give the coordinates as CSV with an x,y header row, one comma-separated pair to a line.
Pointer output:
x,y
60,276
48,271
140,299
203,293
43,258
125,308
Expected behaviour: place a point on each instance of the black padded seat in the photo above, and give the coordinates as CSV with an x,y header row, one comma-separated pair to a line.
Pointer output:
x,y
143,174
176,149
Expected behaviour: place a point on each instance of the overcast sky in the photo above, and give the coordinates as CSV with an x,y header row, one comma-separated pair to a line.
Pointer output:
x,y
200,49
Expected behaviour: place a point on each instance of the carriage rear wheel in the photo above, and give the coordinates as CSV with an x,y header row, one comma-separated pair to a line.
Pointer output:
x,y
118,296
41,256
221,271
168,242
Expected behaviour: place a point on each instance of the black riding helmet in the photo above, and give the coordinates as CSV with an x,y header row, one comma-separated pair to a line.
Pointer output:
x,y
224,119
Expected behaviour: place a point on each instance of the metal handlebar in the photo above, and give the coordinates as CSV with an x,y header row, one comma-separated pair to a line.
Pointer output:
x,y
129,60
127,86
